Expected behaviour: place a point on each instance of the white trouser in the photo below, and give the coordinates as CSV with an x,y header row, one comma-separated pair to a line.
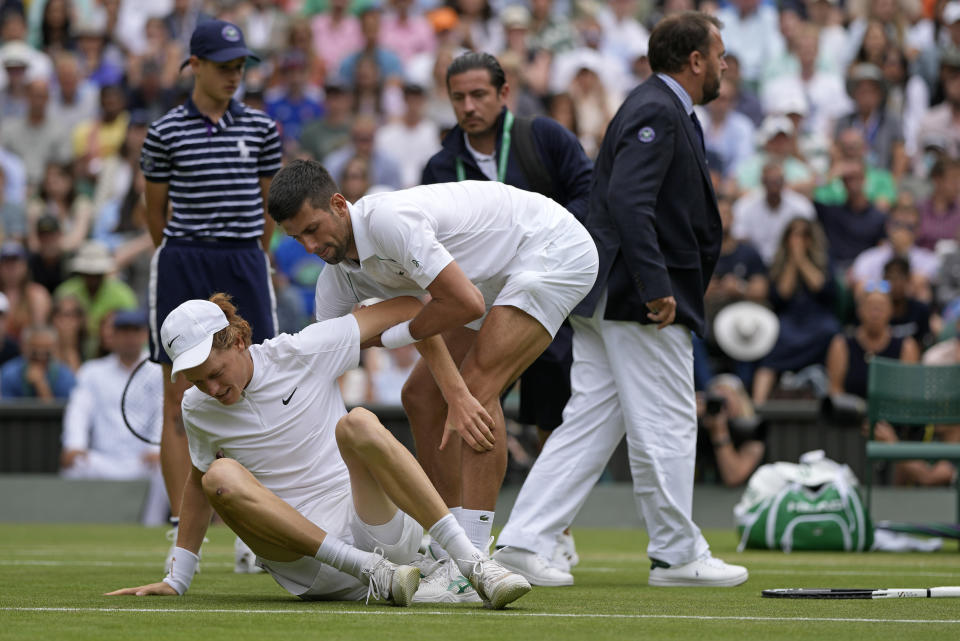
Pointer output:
x,y
631,379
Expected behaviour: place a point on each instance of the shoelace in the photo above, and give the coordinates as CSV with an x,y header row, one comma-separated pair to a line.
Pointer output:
x,y
374,589
478,570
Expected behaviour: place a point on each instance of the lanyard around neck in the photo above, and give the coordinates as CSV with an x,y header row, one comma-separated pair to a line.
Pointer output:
x,y
504,152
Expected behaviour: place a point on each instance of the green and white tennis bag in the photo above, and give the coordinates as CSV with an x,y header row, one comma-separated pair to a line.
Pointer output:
x,y
813,505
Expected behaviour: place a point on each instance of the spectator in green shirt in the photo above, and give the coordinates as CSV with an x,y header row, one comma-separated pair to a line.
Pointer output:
x,y
879,185
97,290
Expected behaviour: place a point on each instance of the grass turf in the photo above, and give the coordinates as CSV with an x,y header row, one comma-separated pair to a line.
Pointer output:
x,y
52,578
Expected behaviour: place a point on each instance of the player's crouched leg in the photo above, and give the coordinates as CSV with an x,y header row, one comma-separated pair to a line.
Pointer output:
x,y
224,483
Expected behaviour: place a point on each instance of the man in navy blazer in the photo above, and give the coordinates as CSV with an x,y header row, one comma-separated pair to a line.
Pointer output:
x,y
654,217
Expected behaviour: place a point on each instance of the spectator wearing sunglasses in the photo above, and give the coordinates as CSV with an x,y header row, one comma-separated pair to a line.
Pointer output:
x,y
901,227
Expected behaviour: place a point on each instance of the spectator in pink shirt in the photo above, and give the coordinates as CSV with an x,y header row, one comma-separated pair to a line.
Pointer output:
x,y
940,214
336,34
406,32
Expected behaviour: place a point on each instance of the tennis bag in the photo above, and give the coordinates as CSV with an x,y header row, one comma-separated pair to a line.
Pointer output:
x,y
813,505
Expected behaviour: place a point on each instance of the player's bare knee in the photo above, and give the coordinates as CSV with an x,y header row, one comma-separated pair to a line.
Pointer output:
x,y
360,430
351,427
418,396
222,480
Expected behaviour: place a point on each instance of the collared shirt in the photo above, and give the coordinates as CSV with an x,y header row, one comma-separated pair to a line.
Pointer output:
x,y
486,162
282,428
678,89
404,240
213,169
92,420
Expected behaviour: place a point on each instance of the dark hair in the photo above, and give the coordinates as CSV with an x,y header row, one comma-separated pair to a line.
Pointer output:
x,y
899,264
299,181
238,327
676,37
942,166
478,60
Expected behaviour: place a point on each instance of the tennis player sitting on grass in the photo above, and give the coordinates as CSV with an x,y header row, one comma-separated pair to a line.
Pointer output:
x,y
314,491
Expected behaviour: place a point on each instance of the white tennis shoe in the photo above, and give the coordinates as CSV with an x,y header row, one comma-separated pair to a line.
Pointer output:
x,y
533,567
706,571
244,560
387,580
565,554
497,585
445,584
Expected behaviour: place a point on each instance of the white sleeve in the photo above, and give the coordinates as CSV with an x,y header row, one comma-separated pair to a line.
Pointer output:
x,y
77,416
329,347
334,295
202,452
409,236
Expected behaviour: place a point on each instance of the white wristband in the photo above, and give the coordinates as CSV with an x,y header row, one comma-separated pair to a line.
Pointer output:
x,y
397,336
182,569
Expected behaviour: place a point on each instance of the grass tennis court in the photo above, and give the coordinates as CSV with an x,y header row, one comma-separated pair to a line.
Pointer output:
x,y
52,577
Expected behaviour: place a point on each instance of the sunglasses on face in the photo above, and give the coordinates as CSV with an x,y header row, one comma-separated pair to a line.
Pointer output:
x,y
881,286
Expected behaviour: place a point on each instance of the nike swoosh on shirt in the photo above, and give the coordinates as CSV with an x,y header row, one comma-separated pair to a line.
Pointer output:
x,y
287,399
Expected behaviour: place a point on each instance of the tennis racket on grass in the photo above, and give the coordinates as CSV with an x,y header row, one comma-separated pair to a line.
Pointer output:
x,y
142,402
866,593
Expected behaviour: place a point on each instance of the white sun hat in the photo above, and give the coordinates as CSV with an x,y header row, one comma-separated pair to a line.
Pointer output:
x,y
187,333
746,331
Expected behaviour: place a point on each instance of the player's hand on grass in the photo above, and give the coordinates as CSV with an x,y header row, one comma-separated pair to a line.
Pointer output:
x,y
468,417
161,589
663,311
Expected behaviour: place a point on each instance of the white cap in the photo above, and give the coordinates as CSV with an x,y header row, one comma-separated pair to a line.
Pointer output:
x,y
187,333
951,13
773,125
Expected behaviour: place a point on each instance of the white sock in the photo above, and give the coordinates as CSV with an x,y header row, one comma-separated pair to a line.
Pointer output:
x,y
450,535
478,524
345,558
390,532
436,549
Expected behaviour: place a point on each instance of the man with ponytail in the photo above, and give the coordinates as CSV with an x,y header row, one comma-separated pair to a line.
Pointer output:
x,y
331,503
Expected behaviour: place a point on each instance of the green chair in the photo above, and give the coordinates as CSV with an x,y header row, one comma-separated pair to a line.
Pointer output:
x,y
911,394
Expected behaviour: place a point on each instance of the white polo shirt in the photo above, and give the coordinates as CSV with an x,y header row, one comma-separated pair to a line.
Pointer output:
x,y
282,429
405,238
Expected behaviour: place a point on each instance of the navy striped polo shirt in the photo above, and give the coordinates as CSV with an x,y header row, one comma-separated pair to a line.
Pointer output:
x,y
213,169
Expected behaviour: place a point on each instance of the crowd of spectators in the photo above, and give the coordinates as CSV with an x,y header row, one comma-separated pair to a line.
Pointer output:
x,y
834,147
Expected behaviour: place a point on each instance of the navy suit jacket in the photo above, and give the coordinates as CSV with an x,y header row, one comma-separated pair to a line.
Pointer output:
x,y
653,213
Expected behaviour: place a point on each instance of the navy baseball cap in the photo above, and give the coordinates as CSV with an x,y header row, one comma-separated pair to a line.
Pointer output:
x,y
130,318
219,41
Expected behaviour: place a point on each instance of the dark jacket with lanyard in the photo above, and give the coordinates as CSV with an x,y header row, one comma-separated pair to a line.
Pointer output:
x,y
561,160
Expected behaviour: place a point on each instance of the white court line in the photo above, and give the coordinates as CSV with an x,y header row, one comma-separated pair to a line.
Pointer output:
x,y
586,570
99,564
812,570
560,615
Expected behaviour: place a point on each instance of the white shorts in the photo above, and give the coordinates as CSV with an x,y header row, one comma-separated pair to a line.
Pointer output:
x,y
310,579
549,281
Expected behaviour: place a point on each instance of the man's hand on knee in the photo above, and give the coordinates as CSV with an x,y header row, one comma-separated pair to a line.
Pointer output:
x,y
468,417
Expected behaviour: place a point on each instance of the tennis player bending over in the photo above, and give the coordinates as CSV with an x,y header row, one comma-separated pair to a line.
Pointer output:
x,y
314,491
